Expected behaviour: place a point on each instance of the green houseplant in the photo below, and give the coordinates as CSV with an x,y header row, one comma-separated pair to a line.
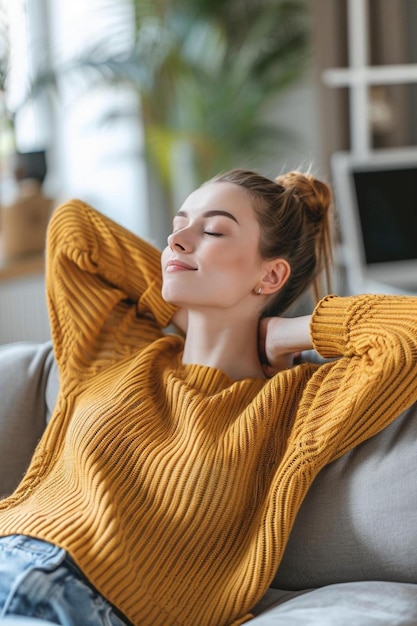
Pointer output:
x,y
206,72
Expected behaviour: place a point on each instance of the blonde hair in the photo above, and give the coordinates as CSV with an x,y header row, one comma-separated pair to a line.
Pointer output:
x,y
294,214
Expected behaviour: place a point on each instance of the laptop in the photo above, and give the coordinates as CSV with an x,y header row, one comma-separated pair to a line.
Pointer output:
x,y
376,202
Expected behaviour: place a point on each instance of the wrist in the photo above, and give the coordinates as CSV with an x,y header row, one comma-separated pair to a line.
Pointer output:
x,y
294,334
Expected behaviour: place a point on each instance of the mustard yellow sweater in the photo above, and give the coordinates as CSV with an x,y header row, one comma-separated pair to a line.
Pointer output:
x,y
173,487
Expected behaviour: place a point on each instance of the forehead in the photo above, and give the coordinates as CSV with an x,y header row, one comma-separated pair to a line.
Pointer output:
x,y
220,196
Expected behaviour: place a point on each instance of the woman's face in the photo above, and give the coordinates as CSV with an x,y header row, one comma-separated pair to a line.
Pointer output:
x,y
212,257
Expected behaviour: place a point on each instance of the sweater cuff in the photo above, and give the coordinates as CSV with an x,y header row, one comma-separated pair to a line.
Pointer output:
x,y
330,325
151,302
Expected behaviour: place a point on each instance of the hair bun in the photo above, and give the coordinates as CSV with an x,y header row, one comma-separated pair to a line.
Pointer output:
x,y
313,193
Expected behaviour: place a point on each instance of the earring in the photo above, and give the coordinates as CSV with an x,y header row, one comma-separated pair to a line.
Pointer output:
x,y
259,291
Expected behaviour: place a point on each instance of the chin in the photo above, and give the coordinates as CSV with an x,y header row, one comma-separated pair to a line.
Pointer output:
x,y
169,296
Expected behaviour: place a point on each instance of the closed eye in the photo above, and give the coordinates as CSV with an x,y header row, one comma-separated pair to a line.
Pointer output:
x,y
206,232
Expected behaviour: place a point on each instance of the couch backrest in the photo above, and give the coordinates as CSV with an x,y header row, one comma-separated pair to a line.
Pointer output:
x,y
24,373
358,521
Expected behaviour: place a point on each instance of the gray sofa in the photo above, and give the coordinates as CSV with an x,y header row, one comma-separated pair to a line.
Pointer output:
x,y
352,555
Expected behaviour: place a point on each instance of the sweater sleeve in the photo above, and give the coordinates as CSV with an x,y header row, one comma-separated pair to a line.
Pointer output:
x,y
103,290
372,379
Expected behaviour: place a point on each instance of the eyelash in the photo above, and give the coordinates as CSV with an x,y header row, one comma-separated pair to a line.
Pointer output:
x,y
205,232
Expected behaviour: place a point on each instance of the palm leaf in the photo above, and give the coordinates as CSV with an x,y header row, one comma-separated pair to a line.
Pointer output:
x,y
205,72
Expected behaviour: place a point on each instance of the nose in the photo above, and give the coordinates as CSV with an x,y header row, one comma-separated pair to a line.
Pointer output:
x,y
180,240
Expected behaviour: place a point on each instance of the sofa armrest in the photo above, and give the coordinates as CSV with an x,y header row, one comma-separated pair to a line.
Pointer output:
x,y
24,373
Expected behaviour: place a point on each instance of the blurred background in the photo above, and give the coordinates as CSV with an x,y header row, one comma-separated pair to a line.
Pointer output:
x,y
129,104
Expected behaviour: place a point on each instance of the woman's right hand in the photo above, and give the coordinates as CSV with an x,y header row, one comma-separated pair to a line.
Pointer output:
x,y
281,339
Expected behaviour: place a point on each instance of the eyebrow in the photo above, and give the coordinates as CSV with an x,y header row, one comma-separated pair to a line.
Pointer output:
x,y
211,213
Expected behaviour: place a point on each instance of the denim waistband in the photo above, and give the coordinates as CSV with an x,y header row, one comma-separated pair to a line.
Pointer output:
x,y
37,553
43,552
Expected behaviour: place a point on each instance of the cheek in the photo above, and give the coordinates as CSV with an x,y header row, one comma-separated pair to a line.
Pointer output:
x,y
163,256
244,262
234,276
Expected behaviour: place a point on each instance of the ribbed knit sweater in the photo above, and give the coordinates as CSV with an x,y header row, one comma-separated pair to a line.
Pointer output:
x,y
173,487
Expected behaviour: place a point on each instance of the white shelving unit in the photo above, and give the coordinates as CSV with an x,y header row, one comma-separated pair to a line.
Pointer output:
x,y
360,76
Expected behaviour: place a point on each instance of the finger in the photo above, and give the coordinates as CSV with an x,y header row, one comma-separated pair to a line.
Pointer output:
x,y
269,371
262,341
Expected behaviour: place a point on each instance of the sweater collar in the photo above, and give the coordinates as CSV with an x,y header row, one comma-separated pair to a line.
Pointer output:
x,y
211,380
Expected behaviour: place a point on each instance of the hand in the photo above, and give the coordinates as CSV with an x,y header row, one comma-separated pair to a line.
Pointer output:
x,y
281,340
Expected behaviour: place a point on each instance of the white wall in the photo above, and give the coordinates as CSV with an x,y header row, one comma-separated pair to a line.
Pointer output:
x,y
297,111
98,162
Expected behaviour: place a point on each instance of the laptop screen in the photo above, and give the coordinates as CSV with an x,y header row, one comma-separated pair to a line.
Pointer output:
x,y
387,208
376,200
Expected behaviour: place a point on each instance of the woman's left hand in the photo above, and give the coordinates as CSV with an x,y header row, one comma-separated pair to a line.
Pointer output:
x,y
281,340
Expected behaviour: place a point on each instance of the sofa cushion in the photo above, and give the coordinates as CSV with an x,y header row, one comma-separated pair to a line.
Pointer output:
x,y
24,371
358,521
51,389
371,603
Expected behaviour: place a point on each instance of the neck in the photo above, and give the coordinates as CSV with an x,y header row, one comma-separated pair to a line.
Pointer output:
x,y
231,347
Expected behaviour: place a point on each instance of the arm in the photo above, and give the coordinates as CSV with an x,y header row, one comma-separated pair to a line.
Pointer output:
x,y
280,339
373,339
103,290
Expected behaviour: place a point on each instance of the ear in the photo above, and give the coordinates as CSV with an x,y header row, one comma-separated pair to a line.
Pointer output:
x,y
277,272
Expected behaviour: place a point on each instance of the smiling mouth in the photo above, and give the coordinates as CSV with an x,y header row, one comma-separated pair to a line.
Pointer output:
x,y
179,266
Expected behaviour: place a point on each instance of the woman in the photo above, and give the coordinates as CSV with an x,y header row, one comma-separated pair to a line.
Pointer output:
x,y
166,485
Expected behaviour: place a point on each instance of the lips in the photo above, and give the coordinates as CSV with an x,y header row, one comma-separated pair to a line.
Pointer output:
x,y
179,266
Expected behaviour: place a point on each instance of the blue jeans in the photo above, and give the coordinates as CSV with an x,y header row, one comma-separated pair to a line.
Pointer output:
x,y
38,579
